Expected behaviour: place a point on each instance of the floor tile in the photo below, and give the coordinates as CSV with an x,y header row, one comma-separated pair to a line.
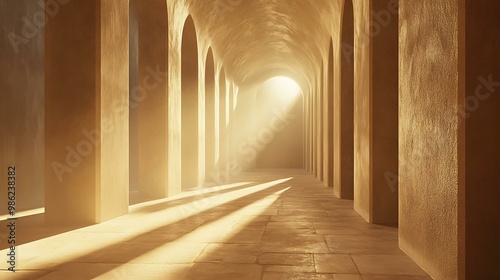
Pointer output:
x,y
296,276
209,271
387,264
283,225
286,259
362,244
334,263
230,253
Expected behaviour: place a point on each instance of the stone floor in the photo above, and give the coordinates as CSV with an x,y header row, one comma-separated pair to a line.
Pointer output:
x,y
271,225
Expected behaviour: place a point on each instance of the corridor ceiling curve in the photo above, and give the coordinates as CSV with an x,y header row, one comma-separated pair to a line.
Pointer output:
x,y
262,35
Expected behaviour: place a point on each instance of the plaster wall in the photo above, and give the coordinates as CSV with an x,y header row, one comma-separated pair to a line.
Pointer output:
x,y
428,138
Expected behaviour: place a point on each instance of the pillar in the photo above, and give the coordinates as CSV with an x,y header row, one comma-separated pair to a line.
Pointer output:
x,y
330,117
429,168
86,112
314,130
376,110
319,125
223,121
344,106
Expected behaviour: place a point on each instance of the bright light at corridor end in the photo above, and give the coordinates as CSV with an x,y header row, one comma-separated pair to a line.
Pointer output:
x,y
283,87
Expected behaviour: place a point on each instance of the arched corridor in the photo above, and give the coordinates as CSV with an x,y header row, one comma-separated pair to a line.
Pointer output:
x,y
249,139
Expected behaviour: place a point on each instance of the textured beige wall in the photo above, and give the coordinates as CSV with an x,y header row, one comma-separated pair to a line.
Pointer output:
x,y
428,149
175,25
113,184
362,110
21,101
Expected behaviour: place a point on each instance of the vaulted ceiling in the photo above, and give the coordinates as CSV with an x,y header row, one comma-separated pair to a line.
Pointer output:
x,y
258,38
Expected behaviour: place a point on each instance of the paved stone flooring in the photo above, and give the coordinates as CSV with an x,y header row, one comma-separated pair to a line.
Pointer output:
x,y
270,225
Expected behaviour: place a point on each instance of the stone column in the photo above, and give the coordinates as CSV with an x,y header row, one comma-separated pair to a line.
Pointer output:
x,y
376,110
430,144
86,112
343,108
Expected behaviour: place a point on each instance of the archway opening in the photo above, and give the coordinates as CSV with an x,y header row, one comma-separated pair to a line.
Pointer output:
x,y
344,110
320,119
210,133
148,99
223,121
189,107
330,116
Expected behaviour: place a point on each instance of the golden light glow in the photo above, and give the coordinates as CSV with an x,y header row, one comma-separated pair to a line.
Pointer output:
x,y
284,88
156,219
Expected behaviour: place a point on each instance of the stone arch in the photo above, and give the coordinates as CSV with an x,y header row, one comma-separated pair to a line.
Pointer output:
x,y
223,120
330,113
210,132
189,106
